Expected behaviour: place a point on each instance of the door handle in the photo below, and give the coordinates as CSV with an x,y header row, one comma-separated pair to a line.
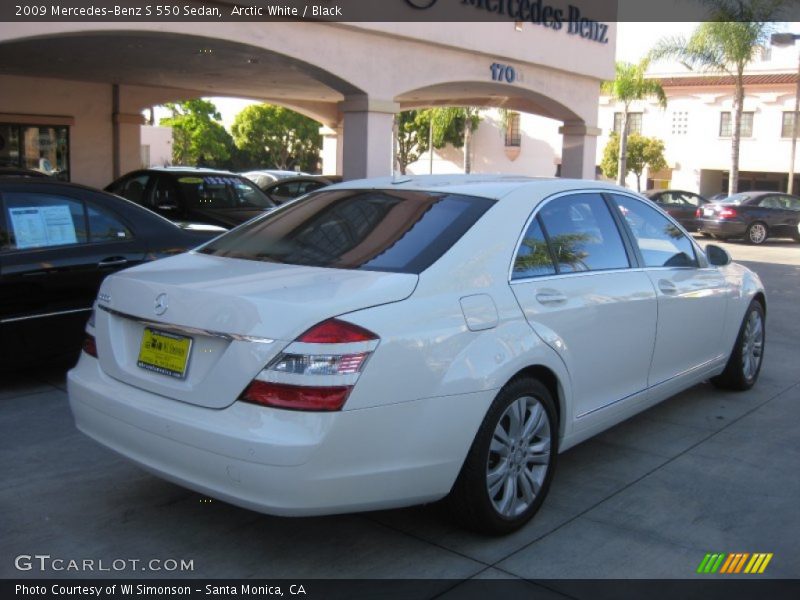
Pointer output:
x,y
667,287
550,297
114,261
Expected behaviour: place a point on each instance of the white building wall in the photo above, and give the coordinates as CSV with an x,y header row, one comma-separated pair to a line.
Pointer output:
x,y
159,140
539,151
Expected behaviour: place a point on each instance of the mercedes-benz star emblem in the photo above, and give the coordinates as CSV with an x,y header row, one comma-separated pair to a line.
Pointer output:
x,y
421,4
161,305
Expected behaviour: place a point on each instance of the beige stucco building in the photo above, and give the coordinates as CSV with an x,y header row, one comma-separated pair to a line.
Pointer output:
x,y
73,92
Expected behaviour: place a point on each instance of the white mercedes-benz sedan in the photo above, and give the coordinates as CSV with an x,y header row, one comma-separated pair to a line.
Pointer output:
x,y
384,343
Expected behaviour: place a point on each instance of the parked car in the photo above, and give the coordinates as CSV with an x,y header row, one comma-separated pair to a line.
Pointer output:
x,y
679,204
385,343
57,243
264,177
753,216
194,194
287,189
21,172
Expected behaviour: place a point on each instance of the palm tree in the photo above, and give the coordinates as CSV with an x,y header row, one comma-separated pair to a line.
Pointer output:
x,y
630,85
725,45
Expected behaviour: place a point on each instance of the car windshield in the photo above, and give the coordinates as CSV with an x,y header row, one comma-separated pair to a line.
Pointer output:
x,y
221,192
394,231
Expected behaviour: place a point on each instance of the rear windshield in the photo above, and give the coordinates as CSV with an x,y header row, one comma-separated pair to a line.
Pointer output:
x,y
375,230
222,191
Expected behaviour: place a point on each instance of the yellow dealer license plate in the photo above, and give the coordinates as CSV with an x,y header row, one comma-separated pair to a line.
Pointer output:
x,y
164,353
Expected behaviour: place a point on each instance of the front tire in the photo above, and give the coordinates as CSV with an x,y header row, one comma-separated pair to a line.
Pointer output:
x,y
508,469
756,233
744,364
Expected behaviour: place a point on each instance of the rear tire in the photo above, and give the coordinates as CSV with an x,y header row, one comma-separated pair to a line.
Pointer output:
x,y
756,233
744,364
510,465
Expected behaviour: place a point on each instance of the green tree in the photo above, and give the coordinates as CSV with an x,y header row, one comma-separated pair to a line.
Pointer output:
x,y
447,125
725,45
277,137
412,137
642,153
630,85
197,134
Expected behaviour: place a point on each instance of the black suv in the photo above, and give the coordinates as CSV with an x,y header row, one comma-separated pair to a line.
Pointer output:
x,y
194,194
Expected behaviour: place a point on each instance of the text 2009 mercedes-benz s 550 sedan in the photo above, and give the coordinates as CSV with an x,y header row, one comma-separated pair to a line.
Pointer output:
x,y
385,343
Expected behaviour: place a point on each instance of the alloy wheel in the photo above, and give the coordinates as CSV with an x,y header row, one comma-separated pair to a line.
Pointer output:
x,y
752,345
519,457
757,233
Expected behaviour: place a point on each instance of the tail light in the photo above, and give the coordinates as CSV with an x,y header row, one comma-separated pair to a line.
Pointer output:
x,y
698,212
317,371
727,213
90,345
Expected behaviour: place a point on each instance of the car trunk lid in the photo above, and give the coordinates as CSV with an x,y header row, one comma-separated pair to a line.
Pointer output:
x,y
238,315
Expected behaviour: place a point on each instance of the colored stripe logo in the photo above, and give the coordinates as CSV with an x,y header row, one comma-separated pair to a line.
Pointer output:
x,y
737,562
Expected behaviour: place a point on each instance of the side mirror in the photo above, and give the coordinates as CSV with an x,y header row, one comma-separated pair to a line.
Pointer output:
x,y
717,256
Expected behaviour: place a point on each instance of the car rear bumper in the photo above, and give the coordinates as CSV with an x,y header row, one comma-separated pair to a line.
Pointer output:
x,y
284,462
722,228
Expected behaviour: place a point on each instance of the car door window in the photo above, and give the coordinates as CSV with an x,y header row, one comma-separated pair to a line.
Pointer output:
x,y
533,257
165,195
40,220
660,241
582,234
691,200
132,188
771,202
105,226
794,203
285,191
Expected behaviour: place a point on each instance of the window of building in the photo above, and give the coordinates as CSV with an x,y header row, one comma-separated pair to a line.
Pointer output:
x,y
680,122
726,124
513,135
41,148
787,126
634,122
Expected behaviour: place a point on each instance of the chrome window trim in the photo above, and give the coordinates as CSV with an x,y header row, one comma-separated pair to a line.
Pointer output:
x,y
231,337
534,214
44,315
702,261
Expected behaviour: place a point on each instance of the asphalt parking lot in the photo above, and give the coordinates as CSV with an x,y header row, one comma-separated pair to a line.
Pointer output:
x,y
705,471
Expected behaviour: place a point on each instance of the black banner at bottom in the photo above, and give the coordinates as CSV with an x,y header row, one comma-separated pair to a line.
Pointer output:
x,y
385,589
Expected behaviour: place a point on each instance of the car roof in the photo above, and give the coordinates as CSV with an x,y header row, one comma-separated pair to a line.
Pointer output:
x,y
195,170
50,182
486,185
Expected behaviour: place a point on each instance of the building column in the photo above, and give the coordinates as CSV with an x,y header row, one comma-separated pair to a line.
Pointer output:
x,y
332,149
579,150
126,134
367,137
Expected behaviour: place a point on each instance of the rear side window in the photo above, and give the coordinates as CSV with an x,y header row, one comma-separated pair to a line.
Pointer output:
x,y
376,230
104,226
661,243
38,220
582,234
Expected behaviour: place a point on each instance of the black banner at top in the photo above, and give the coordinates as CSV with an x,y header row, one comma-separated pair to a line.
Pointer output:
x,y
535,11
